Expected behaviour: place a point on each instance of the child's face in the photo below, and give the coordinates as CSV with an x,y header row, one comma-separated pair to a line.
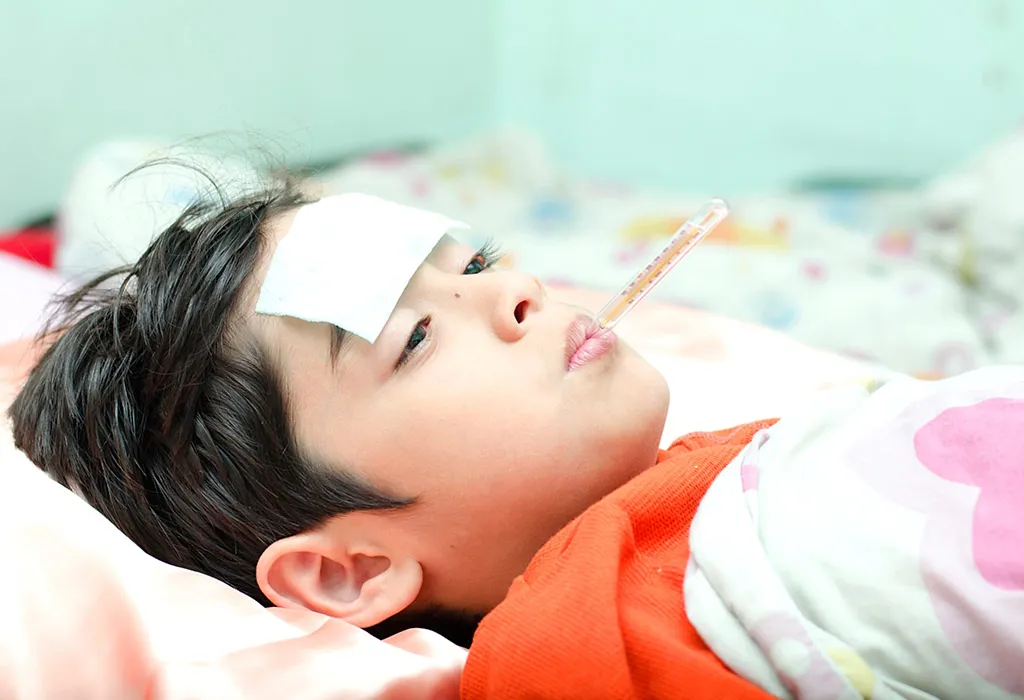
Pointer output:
x,y
481,422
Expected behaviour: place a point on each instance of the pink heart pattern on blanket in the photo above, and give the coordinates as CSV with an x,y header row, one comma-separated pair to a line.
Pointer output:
x,y
955,454
983,446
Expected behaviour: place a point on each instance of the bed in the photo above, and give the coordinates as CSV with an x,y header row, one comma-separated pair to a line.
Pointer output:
x,y
83,590
798,292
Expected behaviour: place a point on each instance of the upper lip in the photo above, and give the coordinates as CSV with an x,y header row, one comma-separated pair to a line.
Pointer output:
x,y
581,328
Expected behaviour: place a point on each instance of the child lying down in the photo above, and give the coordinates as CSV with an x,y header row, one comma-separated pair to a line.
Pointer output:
x,y
334,405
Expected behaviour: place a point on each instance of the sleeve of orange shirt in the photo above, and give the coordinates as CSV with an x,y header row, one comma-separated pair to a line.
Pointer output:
x,y
599,612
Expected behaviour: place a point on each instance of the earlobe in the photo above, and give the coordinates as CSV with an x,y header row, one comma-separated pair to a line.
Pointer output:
x,y
352,581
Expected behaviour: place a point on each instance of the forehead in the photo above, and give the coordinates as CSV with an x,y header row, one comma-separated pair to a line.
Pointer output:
x,y
276,227
345,260
303,349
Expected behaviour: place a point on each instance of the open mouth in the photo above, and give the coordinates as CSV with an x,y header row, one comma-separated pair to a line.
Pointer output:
x,y
586,342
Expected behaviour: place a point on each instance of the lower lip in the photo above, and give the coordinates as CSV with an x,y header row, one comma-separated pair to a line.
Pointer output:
x,y
593,348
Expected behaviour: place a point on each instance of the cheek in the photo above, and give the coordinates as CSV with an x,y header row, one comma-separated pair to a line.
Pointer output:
x,y
481,398
452,441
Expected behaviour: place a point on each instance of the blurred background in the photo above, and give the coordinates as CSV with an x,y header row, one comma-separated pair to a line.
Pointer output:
x,y
873,152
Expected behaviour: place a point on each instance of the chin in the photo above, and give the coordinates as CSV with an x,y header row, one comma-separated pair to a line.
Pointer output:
x,y
636,440
649,392
649,405
627,436
663,402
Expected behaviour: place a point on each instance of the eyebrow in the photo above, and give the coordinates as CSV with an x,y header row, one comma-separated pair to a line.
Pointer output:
x,y
339,338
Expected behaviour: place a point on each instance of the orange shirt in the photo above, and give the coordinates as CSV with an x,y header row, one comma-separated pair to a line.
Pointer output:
x,y
599,612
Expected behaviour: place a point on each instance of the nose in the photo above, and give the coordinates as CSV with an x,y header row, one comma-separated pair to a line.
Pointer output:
x,y
520,297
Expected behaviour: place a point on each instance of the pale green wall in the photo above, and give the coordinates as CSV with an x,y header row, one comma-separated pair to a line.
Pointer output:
x,y
731,95
316,77
722,95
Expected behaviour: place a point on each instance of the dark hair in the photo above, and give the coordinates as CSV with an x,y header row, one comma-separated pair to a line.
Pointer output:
x,y
167,417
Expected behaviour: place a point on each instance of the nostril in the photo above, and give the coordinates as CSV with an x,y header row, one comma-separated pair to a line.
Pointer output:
x,y
521,311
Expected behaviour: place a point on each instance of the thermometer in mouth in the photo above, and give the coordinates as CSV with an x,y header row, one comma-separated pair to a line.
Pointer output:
x,y
682,242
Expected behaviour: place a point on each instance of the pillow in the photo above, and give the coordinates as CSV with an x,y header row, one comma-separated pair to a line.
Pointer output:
x,y
107,220
88,615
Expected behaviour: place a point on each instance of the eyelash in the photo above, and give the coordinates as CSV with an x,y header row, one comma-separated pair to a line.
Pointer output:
x,y
487,257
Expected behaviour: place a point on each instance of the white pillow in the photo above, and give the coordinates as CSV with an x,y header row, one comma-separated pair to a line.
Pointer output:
x,y
107,219
88,615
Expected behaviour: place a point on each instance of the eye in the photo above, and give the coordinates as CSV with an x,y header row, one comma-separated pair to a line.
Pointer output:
x,y
487,257
416,338
475,266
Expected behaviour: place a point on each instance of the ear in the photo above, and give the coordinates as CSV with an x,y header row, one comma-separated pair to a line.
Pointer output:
x,y
329,571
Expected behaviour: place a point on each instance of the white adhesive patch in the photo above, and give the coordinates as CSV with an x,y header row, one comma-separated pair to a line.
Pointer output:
x,y
347,259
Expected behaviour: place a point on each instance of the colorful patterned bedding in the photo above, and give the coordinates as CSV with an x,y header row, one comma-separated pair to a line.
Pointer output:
x,y
854,272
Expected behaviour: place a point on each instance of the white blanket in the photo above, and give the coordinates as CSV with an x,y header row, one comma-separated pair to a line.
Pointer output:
x,y
872,546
